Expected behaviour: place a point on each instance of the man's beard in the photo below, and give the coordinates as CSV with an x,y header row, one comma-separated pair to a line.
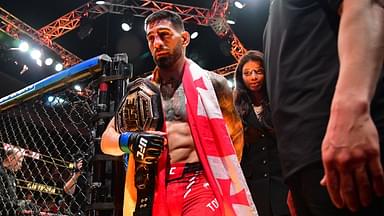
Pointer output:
x,y
168,61
165,61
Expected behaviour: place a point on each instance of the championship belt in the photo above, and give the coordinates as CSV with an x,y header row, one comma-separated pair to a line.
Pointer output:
x,y
141,110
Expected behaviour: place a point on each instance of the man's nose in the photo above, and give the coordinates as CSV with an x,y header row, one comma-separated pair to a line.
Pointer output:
x,y
157,42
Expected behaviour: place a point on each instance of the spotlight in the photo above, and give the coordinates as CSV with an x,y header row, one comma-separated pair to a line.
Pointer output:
x,y
85,28
39,62
55,101
50,99
100,2
239,5
23,46
125,26
231,22
126,22
58,67
48,61
77,87
194,35
35,54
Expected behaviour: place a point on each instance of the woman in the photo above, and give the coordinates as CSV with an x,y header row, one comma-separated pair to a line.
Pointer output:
x,y
260,162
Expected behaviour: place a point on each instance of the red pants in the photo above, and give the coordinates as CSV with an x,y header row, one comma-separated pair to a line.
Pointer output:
x,y
189,193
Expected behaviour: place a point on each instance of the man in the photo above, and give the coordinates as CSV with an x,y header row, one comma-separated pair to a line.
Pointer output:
x,y
11,163
324,62
204,176
70,185
76,190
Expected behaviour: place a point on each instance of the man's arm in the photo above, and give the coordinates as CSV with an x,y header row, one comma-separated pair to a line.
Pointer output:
x,y
116,144
350,149
70,185
110,140
231,118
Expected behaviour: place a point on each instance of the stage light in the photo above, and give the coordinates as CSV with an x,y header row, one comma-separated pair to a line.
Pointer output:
x,y
35,54
50,99
58,67
77,88
100,2
55,101
39,62
231,22
48,61
126,26
239,5
23,46
85,28
194,35
127,21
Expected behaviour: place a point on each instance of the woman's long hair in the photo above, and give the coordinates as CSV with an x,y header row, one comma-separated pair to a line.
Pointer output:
x,y
243,96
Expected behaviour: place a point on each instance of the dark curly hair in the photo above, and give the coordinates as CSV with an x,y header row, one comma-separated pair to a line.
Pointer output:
x,y
171,16
242,96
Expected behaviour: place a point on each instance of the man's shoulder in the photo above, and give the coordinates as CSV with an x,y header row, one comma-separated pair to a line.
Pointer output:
x,y
218,81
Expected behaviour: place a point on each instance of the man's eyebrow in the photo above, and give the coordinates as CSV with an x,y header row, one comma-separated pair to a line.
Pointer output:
x,y
159,29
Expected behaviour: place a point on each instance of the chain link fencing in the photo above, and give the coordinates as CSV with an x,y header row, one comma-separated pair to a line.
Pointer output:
x,y
55,134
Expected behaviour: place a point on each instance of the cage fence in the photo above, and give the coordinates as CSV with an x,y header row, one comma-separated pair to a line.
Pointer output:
x,y
50,158
55,135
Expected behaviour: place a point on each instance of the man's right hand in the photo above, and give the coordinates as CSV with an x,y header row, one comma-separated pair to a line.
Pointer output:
x,y
146,147
351,157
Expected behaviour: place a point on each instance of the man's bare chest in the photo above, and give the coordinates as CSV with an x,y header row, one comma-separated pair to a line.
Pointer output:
x,y
173,102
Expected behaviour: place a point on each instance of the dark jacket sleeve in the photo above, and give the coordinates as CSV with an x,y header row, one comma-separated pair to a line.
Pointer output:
x,y
8,200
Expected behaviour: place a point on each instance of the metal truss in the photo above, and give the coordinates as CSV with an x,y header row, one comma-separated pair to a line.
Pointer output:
x,y
219,24
16,28
71,20
214,17
227,70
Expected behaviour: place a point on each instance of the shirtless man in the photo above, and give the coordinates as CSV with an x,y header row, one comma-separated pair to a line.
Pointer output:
x,y
167,41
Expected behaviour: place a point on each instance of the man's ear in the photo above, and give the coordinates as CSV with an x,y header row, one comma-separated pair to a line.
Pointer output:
x,y
186,37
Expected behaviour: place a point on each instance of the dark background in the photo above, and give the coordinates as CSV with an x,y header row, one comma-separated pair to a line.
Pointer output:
x,y
207,49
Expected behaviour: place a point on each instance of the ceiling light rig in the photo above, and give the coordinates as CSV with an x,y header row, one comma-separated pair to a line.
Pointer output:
x,y
59,67
127,21
194,35
48,61
239,5
100,2
231,22
23,46
37,55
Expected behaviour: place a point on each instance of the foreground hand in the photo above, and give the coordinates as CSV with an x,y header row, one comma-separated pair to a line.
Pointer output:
x,y
146,147
351,159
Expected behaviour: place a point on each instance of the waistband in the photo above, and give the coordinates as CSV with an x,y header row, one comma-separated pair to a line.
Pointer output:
x,y
179,170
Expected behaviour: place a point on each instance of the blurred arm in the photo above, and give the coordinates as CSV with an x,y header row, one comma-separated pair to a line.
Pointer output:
x,y
361,50
70,186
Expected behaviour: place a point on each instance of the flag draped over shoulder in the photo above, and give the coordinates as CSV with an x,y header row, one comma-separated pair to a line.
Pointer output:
x,y
213,145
